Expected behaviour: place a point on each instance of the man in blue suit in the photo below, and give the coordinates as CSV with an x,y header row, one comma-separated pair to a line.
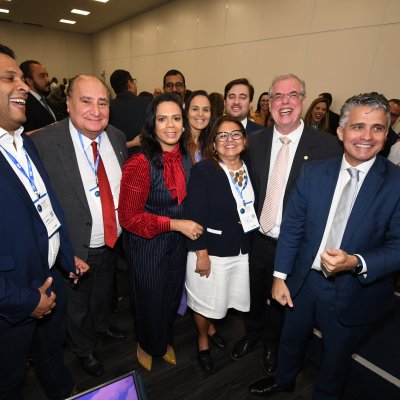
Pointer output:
x,y
345,288
33,242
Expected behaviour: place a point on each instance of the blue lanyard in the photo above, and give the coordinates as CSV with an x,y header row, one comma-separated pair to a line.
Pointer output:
x,y
240,191
28,175
96,162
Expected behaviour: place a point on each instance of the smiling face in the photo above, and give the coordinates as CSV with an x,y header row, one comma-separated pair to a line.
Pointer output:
x,y
88,106
364,134
169,125
13,93
264,103
39,82
199,113
318,112
237,102
286,112
230,149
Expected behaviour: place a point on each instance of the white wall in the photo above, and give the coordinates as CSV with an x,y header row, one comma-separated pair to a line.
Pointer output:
x,y
342,46
64,54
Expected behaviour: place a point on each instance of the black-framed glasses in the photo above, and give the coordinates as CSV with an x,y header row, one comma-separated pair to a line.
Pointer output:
x,y
178,85
223,136
291,96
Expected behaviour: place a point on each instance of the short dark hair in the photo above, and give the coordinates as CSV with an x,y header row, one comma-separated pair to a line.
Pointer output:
x,y
173,72
395,101
150,145
26,68
240,81
327,96
119,80
7,51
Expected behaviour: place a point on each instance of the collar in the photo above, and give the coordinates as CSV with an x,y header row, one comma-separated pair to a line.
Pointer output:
x,y
6,137
37,96
363,167
86,141
293,136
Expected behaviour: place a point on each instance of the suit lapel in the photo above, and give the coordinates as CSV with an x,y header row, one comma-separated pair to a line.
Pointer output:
x,y
368,191
116,145
67,156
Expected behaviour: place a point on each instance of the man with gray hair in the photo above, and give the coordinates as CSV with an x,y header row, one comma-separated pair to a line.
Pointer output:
x,y
276,156
339,244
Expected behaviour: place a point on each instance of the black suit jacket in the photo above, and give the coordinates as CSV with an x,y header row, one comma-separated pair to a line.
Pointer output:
x,y
36,115
252,127
313,145
210,203
128,113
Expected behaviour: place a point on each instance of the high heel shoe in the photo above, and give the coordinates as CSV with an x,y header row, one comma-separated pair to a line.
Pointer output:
x,y
170,356
145,360
205,361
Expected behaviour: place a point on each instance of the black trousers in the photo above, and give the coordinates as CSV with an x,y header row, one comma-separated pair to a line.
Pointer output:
x,y
43,340
265,319
89,302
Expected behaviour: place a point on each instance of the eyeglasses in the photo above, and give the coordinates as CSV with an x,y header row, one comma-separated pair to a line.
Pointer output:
x,y
223,136
134,80
291,96
178,85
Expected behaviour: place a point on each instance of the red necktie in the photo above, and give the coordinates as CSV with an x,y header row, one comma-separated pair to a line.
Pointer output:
x,y
107,203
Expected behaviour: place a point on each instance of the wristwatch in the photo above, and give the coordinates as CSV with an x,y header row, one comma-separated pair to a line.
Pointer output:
x,y
359,267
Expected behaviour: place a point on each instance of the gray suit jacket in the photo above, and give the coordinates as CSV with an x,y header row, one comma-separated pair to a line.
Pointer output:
x,y
57,153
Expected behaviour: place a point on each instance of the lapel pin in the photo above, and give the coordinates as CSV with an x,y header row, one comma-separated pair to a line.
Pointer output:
x,y
306,157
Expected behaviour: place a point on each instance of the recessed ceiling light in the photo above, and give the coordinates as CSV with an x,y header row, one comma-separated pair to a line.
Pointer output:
x,y
81,12
67,21
4,10
102,1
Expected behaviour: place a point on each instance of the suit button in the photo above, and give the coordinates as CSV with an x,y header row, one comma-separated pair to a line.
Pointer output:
x,y
88,224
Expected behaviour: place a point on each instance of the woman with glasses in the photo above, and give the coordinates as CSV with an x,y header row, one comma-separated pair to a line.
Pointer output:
x,y
153,188
221,199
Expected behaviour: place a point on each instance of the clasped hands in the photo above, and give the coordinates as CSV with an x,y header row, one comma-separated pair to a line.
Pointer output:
x,y
48,302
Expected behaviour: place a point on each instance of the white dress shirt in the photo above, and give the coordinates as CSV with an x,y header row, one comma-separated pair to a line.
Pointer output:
x,y
85,160
7,143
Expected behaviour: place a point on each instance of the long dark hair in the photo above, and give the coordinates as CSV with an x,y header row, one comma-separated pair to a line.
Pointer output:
x,y
204,132
150,145
258,109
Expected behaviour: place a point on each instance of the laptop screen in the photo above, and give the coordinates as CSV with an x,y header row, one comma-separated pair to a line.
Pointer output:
x,y
121,388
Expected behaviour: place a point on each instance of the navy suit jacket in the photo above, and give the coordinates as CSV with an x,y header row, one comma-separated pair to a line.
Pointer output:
x,y
24,244
210,203
373,231
252,127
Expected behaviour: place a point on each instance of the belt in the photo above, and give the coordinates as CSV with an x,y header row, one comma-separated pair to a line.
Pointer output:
x,y
267,238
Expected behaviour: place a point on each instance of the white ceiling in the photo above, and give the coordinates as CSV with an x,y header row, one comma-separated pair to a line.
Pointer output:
x,y
47,13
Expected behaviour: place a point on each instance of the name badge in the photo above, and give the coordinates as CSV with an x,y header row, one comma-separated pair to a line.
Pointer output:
x,y
248,217
47,214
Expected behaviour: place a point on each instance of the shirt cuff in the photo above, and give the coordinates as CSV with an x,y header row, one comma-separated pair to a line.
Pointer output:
x,y
280,275
364,269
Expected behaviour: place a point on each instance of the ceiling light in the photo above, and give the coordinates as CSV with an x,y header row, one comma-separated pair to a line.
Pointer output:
x,y
67,21
81,12
102,1
4,10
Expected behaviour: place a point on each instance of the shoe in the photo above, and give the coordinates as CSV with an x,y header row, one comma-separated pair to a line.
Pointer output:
x,y
205,360
267,386
144,359
76,390
270,359
91,364
112,333
218,341
243,348
170,356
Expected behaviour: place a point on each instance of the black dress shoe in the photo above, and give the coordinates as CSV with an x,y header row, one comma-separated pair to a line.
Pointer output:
x,y
265,387
270,359
218,341
243,348
91,364
113,333
205,360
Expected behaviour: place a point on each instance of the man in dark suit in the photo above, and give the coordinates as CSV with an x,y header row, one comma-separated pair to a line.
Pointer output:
x,y
79,154
338,247
127,110
38,111
33,244
238,95
303,144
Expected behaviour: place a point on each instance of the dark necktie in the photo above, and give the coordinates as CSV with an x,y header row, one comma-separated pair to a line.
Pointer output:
x,y
107,203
